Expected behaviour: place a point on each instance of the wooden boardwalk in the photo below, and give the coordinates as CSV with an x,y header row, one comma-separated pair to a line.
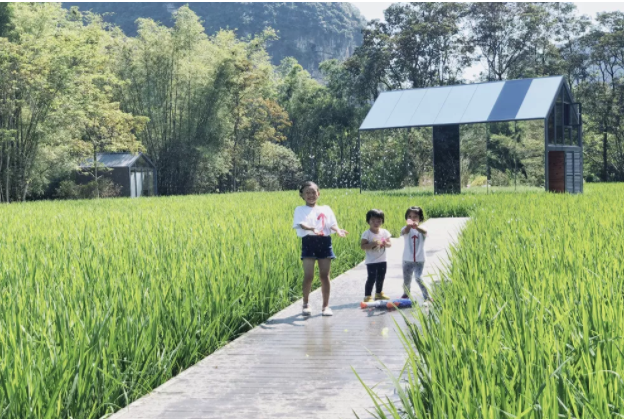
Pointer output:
x,y
292,367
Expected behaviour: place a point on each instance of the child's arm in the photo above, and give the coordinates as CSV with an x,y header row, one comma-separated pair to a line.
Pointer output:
x,y
299,221
405,230
334,222
365,245
420,228
305,226
312,229
339,231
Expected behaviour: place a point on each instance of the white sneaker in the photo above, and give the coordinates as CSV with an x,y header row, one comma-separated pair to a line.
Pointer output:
x,y
306,310
327,312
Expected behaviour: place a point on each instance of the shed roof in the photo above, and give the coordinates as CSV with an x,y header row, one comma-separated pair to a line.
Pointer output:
x,y
511,100
117,160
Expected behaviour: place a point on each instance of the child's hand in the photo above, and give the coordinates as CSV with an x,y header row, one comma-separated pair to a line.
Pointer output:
x,y
319,232
341,232
412,224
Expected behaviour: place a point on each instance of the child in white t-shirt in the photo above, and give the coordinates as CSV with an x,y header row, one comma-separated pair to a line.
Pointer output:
x,y
414,250
315,224
375,241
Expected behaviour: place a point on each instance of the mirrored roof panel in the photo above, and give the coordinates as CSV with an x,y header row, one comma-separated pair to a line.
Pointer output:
x,y
482,102
539,98
509,100
381,110
456,104
119,160
464,104
405,108
430,106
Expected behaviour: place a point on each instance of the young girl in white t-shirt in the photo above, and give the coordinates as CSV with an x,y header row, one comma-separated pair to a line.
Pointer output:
x,y
375,241
315,224
414,250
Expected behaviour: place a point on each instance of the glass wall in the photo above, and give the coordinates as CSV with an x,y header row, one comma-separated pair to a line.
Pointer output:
x,y
142,181
563,121
148,183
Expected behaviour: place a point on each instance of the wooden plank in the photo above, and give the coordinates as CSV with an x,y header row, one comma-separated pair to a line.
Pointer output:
x,y
556,165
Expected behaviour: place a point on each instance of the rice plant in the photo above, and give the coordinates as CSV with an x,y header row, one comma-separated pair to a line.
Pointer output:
x,y
530,320
102,301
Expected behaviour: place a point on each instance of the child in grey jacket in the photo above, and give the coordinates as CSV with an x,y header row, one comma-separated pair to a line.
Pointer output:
x,y
414,250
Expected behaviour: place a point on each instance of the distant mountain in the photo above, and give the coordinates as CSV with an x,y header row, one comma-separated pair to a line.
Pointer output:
x,y
310,32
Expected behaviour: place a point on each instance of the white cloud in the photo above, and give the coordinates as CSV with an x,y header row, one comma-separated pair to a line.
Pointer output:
x,y
374,10
371,10
587,8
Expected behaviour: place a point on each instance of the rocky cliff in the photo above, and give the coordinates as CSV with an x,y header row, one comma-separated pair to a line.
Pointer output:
x,y
310,32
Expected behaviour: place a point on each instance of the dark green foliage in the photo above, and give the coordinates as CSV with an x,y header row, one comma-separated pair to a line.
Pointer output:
x,y
325,122
103,188
5,19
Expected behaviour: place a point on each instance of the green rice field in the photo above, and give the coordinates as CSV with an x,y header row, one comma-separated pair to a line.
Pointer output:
x,y
104,300
531,321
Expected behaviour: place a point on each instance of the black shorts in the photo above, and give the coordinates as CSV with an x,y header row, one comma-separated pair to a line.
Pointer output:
x,y
317,247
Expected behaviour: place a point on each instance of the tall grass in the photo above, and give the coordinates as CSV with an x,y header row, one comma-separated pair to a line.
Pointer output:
x,y
102,301
531,320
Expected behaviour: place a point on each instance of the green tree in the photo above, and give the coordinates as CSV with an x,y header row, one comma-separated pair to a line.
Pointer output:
x,y
5,19
204,97
106,128
568,30
169,76
40,70
278,168
255,116
602,93
303,98
504,33
426,46
419,45
325,121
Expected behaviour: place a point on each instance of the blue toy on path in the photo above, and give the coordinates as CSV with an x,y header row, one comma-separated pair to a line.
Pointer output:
x,y
396,303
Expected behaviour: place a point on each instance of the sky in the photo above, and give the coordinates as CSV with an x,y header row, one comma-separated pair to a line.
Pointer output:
x,y
374,10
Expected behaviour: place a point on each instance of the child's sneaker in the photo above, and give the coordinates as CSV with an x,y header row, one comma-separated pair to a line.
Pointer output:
x,y
306,310
381,296
327,312
404,296
368,299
